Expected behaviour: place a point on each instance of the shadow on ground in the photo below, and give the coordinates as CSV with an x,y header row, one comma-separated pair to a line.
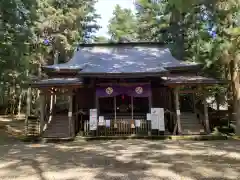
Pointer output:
x,y
121,159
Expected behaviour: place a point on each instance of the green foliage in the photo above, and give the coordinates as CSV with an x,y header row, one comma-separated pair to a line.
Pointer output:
x,y
153,20
16,29
101,39
25,24
65,24
122,24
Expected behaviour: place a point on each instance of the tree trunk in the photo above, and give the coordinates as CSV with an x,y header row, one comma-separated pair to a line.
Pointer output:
x,y
177,32
56,56
236,94
217,102
229,93
20,103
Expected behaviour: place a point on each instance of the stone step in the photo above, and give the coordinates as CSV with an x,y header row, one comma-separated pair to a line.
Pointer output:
x,y
58,127
190,124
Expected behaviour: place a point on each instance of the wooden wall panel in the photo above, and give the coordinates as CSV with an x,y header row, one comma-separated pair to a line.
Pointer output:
x,y
85,98
160,97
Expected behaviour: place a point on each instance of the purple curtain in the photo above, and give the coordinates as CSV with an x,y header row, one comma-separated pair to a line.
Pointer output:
x,y
135,91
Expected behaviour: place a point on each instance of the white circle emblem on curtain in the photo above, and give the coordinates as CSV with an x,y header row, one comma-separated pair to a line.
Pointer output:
x,y
139,90
109,90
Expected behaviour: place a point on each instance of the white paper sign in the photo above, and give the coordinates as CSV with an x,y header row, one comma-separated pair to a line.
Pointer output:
x,y
93,119
108,123
154,121
101,121
161,123
154,118
93,112
157,119
178,112
137,123
148,116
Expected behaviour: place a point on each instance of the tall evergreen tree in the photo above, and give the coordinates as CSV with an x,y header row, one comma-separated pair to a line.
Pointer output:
x,y
152,20
16,29
122,25
65,23
32,32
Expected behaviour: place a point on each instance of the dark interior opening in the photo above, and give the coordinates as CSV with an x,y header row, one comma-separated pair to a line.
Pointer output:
x,y
186,103
123,106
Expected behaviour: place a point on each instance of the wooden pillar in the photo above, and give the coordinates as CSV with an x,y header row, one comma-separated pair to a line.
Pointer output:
x,y
28,110
178,114
70,113
206,118
150,101
51,106
115,108
132,107
42,111
29,100
194,102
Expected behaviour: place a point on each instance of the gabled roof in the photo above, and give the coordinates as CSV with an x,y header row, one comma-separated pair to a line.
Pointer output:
x,y
121,58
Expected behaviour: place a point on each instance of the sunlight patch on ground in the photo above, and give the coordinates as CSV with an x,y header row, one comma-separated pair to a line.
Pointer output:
x,y
72,173
165,173
121,159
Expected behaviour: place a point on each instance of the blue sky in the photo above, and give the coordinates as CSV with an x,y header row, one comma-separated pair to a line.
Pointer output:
x,y
105,9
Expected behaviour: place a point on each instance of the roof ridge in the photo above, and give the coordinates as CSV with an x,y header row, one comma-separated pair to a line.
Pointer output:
x,y
143,43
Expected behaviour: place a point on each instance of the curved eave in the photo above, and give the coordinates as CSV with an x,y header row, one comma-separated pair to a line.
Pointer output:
x,y
185,67
110,44
56,82
123,75
181,80
58,69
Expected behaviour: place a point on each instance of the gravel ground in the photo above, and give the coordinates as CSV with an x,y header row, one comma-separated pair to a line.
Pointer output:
x,y
120,160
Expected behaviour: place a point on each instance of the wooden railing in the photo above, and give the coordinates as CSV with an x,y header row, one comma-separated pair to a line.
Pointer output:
x,y
120,127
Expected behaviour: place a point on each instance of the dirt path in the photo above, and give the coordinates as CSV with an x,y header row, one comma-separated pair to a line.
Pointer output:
x,y
121,159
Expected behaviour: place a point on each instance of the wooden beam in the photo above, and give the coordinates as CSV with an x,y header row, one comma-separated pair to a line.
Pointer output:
x,y
178,113
188,91
51,105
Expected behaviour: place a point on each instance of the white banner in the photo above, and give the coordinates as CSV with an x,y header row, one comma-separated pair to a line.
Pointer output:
x,y
108,123
101,121
161,123
157,119
154,118
148,116
137,123
93,119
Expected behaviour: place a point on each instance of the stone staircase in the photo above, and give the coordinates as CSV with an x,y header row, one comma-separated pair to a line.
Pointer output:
x,y
58,127
33,126
190,124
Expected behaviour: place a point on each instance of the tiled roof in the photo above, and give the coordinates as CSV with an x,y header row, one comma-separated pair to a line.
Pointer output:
x,y
120,59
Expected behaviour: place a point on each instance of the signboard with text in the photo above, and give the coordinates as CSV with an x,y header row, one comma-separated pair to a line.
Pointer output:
x,y
93,119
